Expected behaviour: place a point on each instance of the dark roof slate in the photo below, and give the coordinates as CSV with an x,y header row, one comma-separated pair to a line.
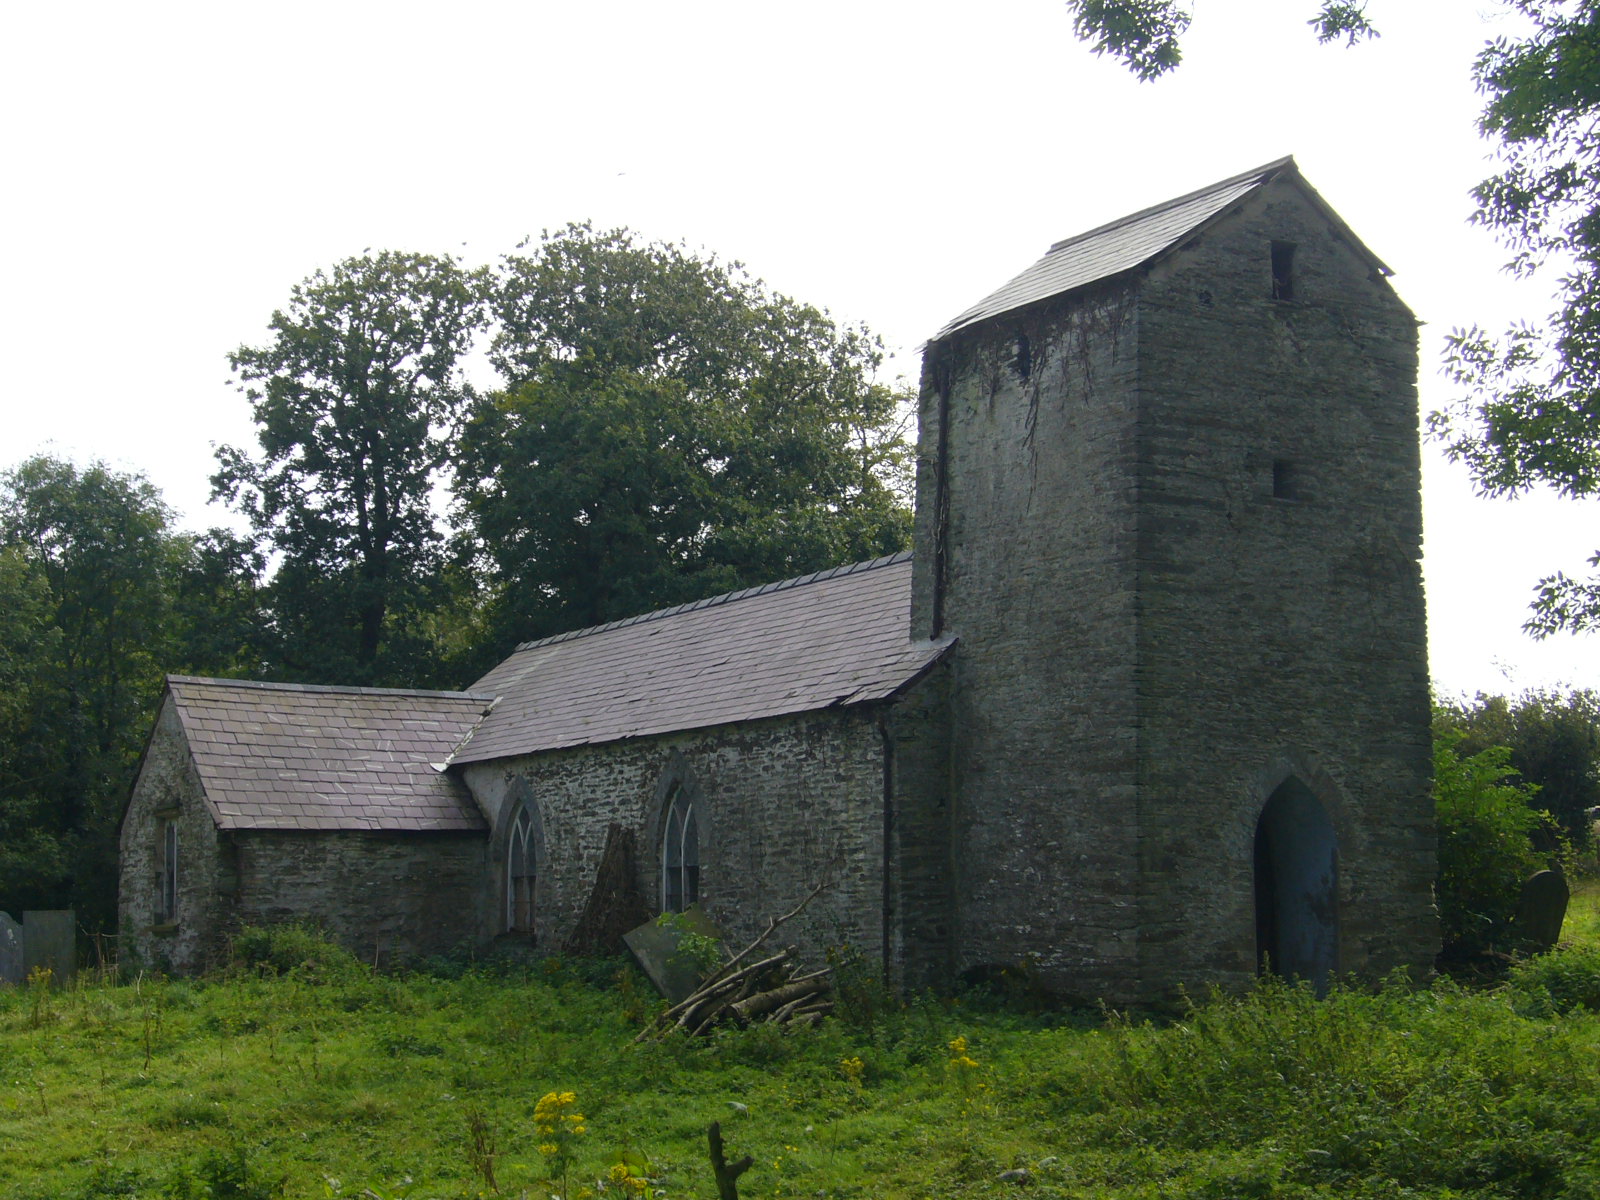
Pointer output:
x,y
1136,239
837,637
297,756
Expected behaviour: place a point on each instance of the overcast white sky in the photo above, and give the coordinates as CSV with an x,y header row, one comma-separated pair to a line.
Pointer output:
x,y
170,170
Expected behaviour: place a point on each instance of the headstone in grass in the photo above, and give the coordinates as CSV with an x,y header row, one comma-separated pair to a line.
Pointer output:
x,y
50,942
676,950
1542,909
10,950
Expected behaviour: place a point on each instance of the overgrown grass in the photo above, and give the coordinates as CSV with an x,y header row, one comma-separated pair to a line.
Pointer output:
x,y
1583,912
281,1080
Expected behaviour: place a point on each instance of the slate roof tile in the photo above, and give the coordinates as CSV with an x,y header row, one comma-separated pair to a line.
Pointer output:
x,y
1134,240
838,636
294,756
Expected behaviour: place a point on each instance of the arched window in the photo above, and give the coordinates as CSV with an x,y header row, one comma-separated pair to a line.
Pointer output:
x,y
169,871
522,871
680,853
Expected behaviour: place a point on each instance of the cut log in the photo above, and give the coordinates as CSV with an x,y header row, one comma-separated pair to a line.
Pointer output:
x,y
765,1002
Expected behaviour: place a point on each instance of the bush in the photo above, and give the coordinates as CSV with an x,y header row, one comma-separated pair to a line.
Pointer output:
x,y
1554,739
1487,833
1558,982
296,950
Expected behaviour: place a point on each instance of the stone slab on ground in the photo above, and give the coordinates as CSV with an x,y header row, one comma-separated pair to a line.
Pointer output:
x,y
656,946
10,951
1543,908
50,940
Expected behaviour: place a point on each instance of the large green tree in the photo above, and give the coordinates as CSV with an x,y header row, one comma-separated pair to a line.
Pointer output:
x,y
33,863
1530,415
669,429
357,397
99,597
87,566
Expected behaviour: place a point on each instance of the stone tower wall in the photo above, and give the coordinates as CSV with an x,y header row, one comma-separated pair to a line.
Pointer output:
x,y
1025,551
1281,623
1151,639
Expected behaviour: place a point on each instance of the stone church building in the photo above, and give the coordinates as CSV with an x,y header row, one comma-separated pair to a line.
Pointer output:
x,y
1146,706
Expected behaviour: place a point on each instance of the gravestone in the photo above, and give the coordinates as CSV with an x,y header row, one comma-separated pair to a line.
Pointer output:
x,y
1542,909
656,945
10,951
50,941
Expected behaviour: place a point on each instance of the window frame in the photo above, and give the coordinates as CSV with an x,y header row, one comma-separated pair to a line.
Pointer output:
x,y
680,851
167,871
524,848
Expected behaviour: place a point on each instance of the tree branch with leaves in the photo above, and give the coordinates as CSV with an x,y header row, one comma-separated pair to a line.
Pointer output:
x,y
358,400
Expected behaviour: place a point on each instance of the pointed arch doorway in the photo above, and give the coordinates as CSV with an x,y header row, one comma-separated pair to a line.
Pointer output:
x,y
1296,887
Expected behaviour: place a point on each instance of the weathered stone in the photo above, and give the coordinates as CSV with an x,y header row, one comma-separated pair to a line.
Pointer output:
x,y
50,943
1543,908
10,951
783,805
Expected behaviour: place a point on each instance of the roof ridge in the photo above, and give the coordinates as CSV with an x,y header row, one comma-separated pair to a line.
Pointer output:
x,y
268,685
781,585
1232,181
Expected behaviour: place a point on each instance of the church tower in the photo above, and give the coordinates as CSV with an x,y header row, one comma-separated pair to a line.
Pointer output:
x,y
1168,503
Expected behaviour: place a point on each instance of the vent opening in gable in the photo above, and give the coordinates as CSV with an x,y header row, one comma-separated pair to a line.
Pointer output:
x,y
1283,270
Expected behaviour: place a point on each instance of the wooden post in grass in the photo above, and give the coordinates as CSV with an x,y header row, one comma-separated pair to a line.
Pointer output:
x,y
727,1174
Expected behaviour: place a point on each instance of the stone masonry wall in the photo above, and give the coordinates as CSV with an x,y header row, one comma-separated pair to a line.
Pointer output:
x,y
388,897
782,804
918,900
167,787
1025,551
1283,633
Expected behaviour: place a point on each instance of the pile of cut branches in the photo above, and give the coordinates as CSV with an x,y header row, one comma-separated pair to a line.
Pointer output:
x,y
768,989
748,990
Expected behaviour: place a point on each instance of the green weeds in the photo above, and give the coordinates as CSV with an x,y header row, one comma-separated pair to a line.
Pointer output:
x,y
296,1081
1582,925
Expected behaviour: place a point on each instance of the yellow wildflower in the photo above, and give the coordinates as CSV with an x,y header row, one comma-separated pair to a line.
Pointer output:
x,y
622,1175
959,1058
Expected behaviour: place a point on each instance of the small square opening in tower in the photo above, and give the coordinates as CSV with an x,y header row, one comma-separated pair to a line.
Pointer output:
x,y
1283,270
1285,480
1022,364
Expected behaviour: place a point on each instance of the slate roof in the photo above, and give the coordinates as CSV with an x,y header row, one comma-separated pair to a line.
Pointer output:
x,y
837,637
1137,239
295,756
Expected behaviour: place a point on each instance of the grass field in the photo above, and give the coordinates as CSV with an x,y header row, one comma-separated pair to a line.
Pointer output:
x,y
330,1081
1583,912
